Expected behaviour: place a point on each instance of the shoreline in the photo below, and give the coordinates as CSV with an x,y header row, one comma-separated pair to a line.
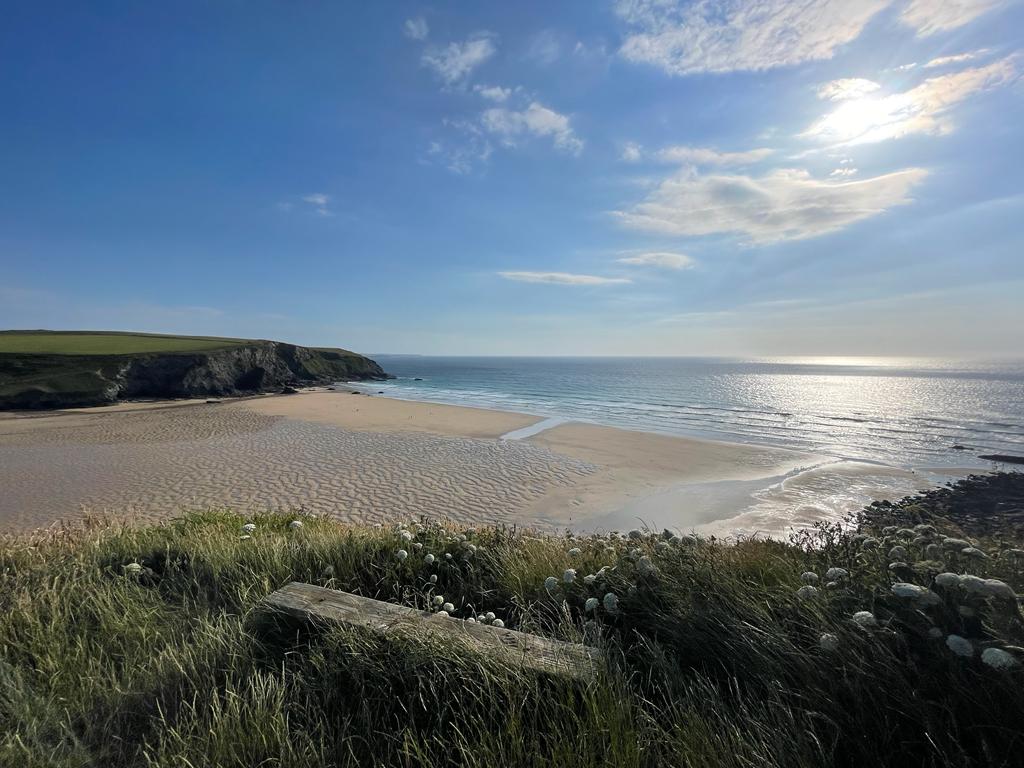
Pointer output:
x,y
368,458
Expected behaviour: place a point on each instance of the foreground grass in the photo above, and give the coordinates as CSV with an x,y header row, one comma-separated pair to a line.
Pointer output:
x,y
124,646
105,343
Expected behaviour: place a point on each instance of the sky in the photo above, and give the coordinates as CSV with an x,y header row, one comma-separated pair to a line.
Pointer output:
x,y
599,177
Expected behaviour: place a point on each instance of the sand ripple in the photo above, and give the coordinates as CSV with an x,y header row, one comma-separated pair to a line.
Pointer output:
x,y
158,463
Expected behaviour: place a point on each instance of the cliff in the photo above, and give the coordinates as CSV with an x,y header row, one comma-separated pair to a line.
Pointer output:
x,y
46,380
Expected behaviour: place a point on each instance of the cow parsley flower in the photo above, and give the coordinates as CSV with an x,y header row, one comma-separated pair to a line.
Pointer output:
x,y
550,583
471,620
591,604
589,579
417,546
569,576
836,574
489,616
961,646
645,567
865,619
958,544
448,608
295,525
635,534
447,555
806,592
248,527
947,580
997,588
809,577
429,559
498,623
906,590
402,554
999,659
973,552
133,569
829,642
405,536
575,552
433,578
244,537
443,613
437,600
899,553
972,584
611,602
934,633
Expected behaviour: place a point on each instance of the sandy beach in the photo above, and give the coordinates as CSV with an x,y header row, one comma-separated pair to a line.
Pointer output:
x,y
366,458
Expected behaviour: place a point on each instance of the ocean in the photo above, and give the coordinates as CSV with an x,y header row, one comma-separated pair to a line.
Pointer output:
x,y
881,427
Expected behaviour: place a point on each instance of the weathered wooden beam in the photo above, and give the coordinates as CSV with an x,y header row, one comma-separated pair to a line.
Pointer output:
x,y
312,603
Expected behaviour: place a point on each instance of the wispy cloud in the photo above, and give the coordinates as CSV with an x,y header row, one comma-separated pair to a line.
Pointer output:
x,y
455,61
708,156
416,29
661,259
783,205
319,203
544,48
847,88
728,35
562,278
535,120
493,92
931,16
960,58
923,109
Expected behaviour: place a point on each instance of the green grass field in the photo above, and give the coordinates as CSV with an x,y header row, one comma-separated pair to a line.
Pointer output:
x,y
124,646
104,343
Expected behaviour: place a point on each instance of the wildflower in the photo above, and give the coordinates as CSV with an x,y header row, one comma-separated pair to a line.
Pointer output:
x,y
447,555
973,552
806,592
443,613
836,574
481,618
248,527
689,540
550,583
471,620
934,633
429,559
662,546
889,530
433,578
924,528
489,616
611,602
947,580
448,608
972,584
417,546
498,623
958,544
905,533
899,553
635,534
829,642
865,619
809,577
997,588
999,659
589,579
903,589
402,554
244,537
295,525
591,604
898,566
961,646
645,567
869,543
921,542
133,569
575,552
569,576
933,552
437,600
327,572
928,598
405,536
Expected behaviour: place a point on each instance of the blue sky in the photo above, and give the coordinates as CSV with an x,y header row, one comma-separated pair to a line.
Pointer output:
x,y
599,177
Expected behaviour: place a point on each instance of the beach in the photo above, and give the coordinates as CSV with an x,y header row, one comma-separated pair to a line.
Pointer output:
x,y
363,458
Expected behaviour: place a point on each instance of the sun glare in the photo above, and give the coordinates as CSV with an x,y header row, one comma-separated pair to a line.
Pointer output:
x,y
868,118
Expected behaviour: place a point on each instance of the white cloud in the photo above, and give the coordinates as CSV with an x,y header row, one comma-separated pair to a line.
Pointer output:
x,y
493,92
839,173
317,198
783,205
931,16
561,278
847,88
631,152
707,156
456,61
416,29
662,259
960,58
729,35
536,120
469,149
923,109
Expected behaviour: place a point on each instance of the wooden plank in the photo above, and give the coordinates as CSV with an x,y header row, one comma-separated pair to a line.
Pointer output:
x,y
310,602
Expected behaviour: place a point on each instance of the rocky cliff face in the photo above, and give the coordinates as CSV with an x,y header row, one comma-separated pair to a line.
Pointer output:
x,y
65,381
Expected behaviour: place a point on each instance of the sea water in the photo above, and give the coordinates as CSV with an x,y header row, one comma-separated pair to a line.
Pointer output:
x,y
931,419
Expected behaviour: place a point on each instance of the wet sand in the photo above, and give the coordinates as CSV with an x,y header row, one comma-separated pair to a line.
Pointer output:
x,y
365,459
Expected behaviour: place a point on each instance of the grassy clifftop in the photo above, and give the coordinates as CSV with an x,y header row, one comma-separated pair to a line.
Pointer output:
x,y
128,646
54,369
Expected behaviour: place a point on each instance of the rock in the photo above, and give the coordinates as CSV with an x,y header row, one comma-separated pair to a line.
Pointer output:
x,y
286,390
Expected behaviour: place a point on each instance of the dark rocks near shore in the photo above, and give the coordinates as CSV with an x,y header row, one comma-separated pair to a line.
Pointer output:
x,y
47,381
